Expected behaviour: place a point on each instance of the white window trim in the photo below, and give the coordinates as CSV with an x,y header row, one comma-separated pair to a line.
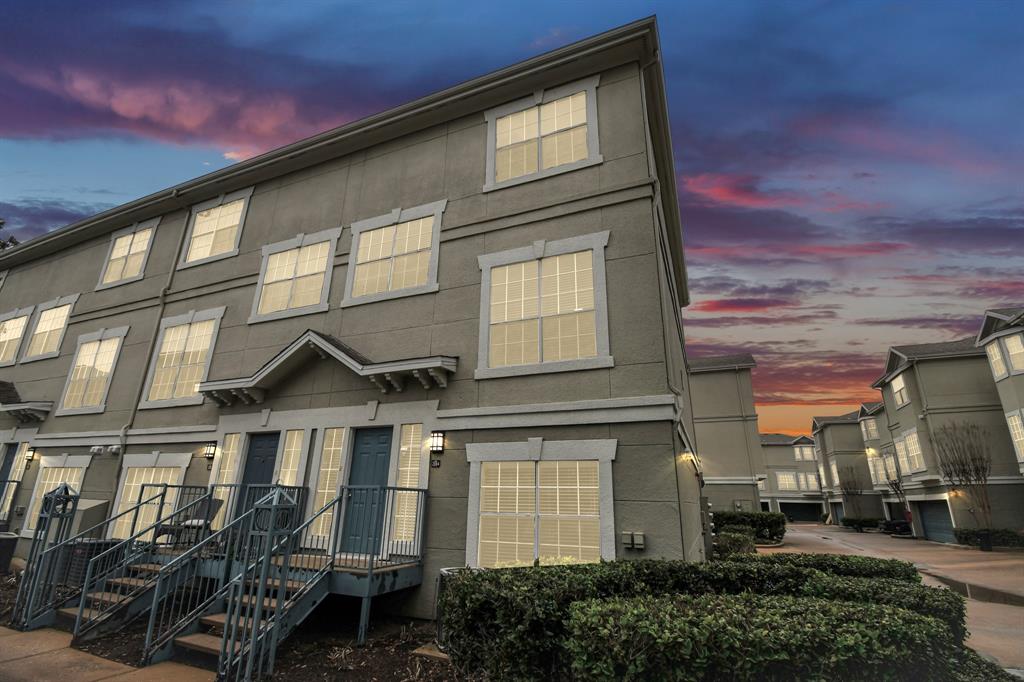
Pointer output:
x,y
49,462
895,395
540,450
1018,449
148,461
190,317
137,227
588,85
298,241
32,323
20,312
1001,344
595,242
924,465
396,216
246,195
101,335
998,376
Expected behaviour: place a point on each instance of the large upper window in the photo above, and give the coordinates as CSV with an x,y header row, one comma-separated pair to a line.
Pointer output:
x,y
899,390
129,250
215,228
550,132
538,500
1015,350
1006,355
394,254
834,470
996,360
12,331
296,276
786,480
804,453
869,429
1016,424
184,351
51,321
91,372
547,313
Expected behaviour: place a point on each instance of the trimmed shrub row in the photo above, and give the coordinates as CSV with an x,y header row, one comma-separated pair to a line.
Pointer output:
x,y
839,564
730,544
768,526
1001,537
859,523
751,637
511,623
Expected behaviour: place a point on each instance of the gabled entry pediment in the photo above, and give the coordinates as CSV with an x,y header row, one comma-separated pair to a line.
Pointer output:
x,y
25,412
393,375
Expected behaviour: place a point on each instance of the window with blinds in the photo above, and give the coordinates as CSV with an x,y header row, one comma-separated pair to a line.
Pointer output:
x,y
215,231
295,278
394,257
91,373
49,331
411,455
48,479
327,480
543,311
127,256
914,457
8,488
227,475
11,332
541,137
899,390
182,360
144,481
786,480
545,510
1016,425
291,457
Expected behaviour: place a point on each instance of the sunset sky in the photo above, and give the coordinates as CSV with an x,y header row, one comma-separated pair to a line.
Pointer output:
x,y
851,173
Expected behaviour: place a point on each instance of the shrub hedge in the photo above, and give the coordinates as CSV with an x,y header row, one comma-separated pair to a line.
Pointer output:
x,y
944,605
511,623
1001,537
859,523
752,637
840,564
730,544
742,530
768,526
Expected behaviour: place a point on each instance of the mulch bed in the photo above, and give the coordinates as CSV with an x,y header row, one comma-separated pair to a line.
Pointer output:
x,y
8,595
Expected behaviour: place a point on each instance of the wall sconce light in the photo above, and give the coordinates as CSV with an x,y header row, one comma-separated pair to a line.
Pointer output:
x,y
30,454
436,442
210,450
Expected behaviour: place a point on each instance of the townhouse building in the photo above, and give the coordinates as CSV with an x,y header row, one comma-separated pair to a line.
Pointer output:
x,y
476,294
843,467
791,484
928,388
725,427
1002,337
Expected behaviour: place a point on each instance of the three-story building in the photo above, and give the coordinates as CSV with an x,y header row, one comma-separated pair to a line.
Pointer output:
x,y
1002,337
791,484
843,467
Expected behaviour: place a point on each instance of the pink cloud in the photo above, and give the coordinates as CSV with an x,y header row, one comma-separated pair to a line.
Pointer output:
x,y
740,305
738,190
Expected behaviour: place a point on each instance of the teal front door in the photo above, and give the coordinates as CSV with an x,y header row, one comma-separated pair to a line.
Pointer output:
x,y
367,494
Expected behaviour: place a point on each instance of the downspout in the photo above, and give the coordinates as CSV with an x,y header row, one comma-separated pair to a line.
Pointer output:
x,y
162,305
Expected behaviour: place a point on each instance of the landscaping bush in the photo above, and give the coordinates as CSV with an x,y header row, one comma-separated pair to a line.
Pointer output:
x,y
1001,537
753,637
726,545
510,623
968,666
742,530
840,564
859,523
941,604
768,526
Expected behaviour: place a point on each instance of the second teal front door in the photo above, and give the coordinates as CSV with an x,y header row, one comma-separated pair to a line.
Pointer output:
x,y
367,494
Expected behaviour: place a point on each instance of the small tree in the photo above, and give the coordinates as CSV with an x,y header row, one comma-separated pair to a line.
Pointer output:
x,y
965,460
6,242
850,486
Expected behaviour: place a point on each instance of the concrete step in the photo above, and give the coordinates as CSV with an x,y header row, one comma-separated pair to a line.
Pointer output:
x,y
203,643
215,621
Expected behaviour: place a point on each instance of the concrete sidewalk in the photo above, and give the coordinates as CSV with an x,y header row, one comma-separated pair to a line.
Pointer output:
x,y
45,656
997,630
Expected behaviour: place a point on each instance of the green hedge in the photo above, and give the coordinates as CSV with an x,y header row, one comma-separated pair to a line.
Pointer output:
x,y
1001,537
860,523
742,530
841,564
726,545
968,666
768,526
752,637
942,604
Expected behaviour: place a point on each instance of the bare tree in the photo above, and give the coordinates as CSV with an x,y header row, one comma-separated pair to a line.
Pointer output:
x,y
849,484
965,461
6,242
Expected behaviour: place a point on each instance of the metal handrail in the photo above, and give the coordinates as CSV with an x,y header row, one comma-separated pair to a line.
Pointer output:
x,y
107,564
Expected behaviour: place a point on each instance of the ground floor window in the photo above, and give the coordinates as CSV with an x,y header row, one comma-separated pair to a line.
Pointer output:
x,y
230,454
139,484
54,470
327,479
9,482
411,455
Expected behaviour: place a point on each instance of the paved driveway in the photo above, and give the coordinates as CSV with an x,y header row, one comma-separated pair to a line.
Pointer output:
x,y
997,629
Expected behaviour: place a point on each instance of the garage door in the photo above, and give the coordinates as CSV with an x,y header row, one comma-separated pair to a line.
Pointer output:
x,y
935,519
837,512
801,511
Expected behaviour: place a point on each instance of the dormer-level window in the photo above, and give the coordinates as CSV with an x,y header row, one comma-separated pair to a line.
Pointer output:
x,y
996,359
129,251
215,228
869,429
12,331
550,132
296,276
899,391
91,372
804,453
51,321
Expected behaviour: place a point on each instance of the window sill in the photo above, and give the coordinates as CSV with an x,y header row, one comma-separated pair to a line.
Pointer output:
x,y
120,282
44,356
79,410
182,265
600,362
430,288
540,175
171,402
284,314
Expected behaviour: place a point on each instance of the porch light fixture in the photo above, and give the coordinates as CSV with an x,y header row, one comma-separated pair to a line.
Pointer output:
x,y
210,450
436,442
30,454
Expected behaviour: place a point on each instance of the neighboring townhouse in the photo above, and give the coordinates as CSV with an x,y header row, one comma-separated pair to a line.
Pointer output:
x,y
929,386
843,467
725,427
791,484
476,294
881,454
1002,337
